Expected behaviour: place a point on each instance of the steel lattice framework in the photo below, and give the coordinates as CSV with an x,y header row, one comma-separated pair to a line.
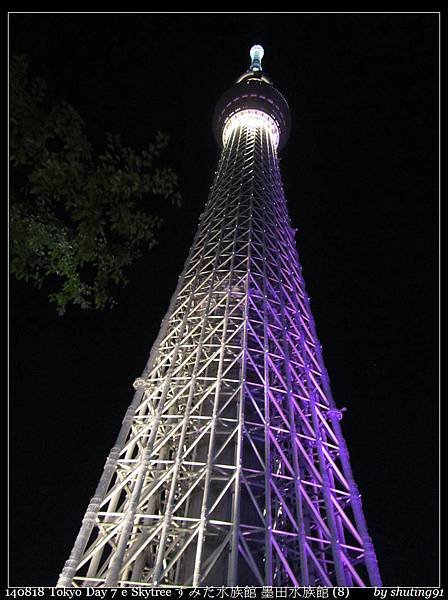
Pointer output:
x,y
230,467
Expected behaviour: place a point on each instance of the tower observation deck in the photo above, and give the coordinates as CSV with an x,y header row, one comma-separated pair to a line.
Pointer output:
x,y
230,467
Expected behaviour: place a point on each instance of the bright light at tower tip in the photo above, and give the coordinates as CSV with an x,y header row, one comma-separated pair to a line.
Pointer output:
x,y
256,54
257,50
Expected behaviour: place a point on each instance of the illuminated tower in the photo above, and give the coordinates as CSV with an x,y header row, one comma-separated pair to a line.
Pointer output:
x,y
230,467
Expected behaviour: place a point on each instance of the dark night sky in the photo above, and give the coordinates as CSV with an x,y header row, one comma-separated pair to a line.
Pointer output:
x,y
360,174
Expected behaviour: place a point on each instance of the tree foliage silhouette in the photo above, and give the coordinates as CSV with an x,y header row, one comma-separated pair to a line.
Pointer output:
x,y
78,218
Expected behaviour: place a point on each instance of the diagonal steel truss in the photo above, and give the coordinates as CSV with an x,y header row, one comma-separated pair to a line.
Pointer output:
x,y
230,466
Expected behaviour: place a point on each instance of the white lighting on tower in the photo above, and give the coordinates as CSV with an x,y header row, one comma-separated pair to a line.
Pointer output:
x,y
256,54
252,119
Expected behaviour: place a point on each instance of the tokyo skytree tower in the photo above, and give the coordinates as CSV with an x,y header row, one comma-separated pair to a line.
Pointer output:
x,y
230,467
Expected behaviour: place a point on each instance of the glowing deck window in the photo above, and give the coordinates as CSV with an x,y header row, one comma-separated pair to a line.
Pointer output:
x,y
252,119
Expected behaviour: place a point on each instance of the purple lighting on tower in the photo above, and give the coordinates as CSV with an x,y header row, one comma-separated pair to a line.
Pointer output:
x,y
231,467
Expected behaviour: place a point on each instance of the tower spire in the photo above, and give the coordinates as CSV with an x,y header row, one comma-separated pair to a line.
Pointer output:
x,y
256,54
